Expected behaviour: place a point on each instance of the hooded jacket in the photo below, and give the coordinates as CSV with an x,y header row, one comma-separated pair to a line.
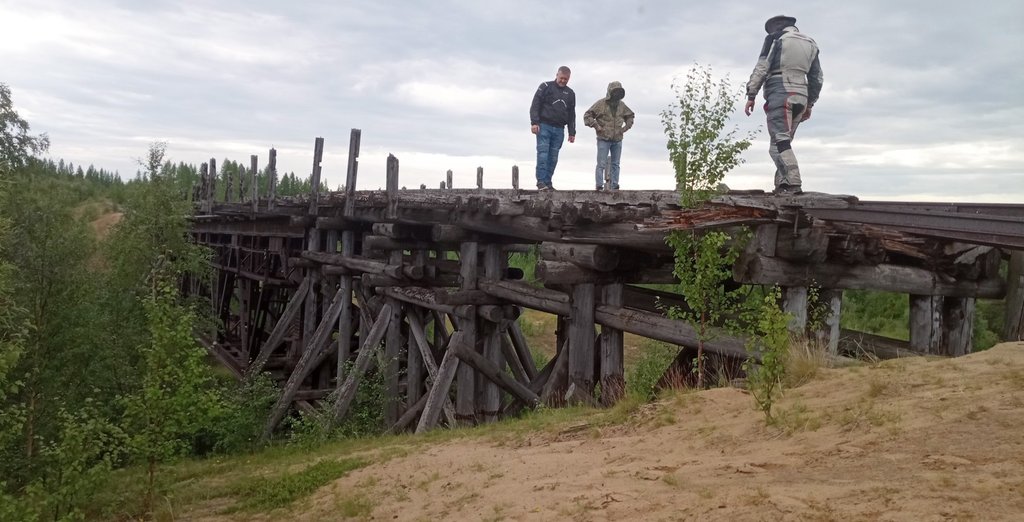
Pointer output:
x,y
792,57
610,117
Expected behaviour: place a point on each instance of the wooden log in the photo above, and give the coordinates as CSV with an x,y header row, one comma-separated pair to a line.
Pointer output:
x,y
374,242
359,264
392,355
272,178
291,311
556,381
613,381
556,272
496,375
352,173
363,360
391,176
581,339
465,398
315,345
515,177
670,331
418,331
807,245
314,181
409,415
594,257
439,390
515,364
374,281
828,333
489,394
448,178
925,323
856,343
883,277
522,349
1013,325
794,303
957,326
254,188
465,297
480,178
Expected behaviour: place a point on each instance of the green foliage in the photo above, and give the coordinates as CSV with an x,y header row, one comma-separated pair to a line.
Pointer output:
x,y
643,377
771,340
702,151
16,144
264,493
880,313
239,422
365,417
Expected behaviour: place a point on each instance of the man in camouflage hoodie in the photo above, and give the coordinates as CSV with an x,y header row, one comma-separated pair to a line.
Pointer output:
x,y
611,118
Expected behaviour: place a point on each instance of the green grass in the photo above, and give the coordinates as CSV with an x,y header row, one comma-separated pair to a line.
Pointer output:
x,y
266,493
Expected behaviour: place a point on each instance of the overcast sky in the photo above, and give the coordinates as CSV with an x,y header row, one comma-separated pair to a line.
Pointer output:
x,y
922,99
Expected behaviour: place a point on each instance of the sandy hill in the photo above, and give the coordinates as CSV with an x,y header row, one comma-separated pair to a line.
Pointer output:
x,y
911,439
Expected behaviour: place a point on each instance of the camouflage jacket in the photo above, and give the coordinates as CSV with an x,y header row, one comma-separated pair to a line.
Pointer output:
x,y
610,118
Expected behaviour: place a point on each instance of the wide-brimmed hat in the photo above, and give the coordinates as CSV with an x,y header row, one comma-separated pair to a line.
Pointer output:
x,y
785,20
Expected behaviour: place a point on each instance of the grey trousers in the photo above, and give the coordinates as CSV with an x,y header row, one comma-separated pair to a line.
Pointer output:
x,y
784,110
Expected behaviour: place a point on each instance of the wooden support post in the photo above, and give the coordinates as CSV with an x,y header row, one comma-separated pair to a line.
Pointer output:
x,y
367,348
495,374
213,182
794,302
392,186
306,364
348,240
515,177
581,340
448,177
828,333
957,326
314,181
206,193
613,381
480,178
418,335
1013,327
229,185
488,393
254,187
272,179
465,398
522,349
553,391
241,184
392,354
595,257
439,391
311,310
925,321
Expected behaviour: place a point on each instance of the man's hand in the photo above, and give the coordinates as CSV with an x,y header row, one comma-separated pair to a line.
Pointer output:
x,y
807,114
535,128
572,139
749,107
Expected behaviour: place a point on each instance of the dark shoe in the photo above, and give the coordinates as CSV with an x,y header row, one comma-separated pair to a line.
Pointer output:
x,y
599,188
545,188
613,187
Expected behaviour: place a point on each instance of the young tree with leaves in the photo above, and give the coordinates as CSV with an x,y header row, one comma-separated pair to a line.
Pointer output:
x,y
703,149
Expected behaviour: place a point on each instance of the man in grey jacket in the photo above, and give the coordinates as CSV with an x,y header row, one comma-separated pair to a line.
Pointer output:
x,y
790,73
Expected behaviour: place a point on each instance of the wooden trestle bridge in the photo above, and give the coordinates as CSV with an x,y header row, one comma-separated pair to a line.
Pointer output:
x,y
317,290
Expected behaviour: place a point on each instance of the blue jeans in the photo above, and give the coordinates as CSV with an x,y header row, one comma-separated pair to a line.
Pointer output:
x,y
604,148
549,142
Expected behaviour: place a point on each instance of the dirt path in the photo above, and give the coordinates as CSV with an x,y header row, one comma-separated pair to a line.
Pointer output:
x,y
913,439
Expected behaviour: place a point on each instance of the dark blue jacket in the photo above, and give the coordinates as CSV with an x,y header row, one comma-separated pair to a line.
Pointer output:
x,y
554,105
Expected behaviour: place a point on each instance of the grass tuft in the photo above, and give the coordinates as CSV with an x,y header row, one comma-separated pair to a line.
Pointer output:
x,y
266,493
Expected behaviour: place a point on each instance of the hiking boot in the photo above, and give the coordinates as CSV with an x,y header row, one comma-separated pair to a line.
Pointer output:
x,y
787,190
545,188
613,187
599,188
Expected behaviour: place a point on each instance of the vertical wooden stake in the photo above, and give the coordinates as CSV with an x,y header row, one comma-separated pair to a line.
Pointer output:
x,y
581,340
925,321
480,178
272,179
613,381
515,177
252,184
449,179
465,398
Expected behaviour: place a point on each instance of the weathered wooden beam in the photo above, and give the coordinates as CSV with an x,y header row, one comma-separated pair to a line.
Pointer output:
x,y
581,338
314,346
613,381
272,178
254,188
857,343
369,346
439,390
561,273
957,326
359,264
602,258
495,374
925,323
291,310
314,189
883,277
465,398
522,349
418,330
1013,326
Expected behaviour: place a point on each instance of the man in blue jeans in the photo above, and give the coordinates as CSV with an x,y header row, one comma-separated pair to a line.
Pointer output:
x,y
553,107
611,118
